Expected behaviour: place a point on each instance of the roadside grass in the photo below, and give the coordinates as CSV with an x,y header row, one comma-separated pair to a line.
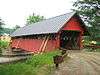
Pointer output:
x,y
41,64
92,50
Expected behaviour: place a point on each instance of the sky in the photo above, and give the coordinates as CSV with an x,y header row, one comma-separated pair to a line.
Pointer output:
x,y
15,12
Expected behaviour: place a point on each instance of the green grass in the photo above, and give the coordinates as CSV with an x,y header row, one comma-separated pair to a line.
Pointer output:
x,y
92,50
37,65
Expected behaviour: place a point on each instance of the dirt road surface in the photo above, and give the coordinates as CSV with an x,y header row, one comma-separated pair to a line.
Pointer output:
x,y
84,63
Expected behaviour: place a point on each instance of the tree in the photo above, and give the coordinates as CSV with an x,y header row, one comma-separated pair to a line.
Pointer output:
x,y
34,18
90,13
16,27
1,25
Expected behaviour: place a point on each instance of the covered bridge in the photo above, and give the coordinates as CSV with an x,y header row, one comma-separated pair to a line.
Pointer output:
x,y
64,31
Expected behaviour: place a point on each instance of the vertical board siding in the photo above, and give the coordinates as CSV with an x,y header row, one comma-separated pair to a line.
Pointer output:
x,y
51,45
73,24
33,44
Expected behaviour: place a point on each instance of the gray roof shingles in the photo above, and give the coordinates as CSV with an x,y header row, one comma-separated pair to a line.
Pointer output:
x,y
51,25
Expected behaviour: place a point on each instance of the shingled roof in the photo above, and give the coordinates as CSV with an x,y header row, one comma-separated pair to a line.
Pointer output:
x,y
51,25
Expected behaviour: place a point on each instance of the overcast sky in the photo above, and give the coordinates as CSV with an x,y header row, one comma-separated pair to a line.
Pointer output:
x,y
15,12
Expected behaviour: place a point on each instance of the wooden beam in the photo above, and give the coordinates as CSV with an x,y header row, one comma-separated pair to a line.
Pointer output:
x,y
45,44
40,49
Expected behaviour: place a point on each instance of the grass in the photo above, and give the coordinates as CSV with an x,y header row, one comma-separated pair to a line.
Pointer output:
x,y
92,50
37,65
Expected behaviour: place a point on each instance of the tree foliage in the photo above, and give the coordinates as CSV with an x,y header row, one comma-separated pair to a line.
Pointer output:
x,y
16,27
90,12
34,18
1,25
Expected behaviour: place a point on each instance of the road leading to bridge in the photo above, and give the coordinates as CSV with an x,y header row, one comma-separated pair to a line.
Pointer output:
x,y
84,63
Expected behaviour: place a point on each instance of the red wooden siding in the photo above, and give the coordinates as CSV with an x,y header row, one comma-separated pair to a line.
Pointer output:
x,y
33,44
51,45
73,24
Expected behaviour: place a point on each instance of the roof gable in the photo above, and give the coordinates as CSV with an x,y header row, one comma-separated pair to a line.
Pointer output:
x,y
52,25
73,24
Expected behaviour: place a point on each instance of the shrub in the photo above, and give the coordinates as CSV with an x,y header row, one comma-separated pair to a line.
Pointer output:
x,y
4,44
42,59
98,43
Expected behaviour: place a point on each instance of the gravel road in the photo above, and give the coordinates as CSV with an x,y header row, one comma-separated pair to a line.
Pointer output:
x,y
83,63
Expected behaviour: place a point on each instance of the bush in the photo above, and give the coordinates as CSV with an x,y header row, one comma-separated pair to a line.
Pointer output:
x,y
42,59
98,43
4,44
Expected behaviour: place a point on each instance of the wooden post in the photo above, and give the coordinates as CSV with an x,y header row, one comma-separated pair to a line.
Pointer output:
x,y
57,60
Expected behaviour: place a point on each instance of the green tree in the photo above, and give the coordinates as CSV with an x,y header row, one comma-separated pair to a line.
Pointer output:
x,y
1,26
16,27
34,18
90,13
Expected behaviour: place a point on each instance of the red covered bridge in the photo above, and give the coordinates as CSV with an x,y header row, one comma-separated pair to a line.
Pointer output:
x,y
64,31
